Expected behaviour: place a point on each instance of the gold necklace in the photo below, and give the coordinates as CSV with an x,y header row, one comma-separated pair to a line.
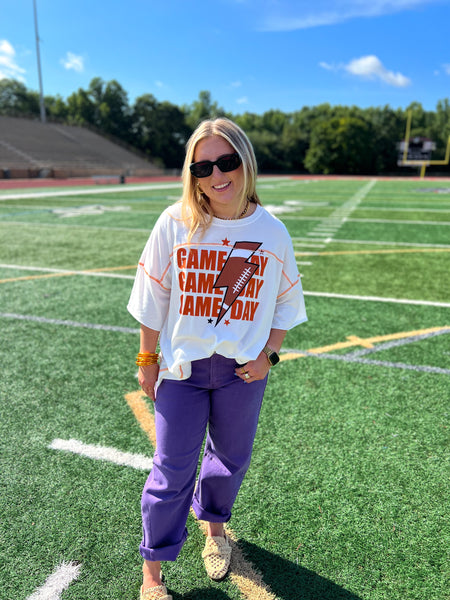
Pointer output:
x,y
244,212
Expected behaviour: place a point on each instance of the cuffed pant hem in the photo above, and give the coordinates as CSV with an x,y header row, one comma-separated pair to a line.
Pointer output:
x,y
166,553
204,515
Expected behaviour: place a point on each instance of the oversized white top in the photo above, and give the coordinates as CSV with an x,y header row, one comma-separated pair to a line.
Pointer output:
x,y
222,292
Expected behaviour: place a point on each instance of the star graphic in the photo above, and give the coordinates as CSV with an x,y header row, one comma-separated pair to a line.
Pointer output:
x,y
226,242
227,322
210,320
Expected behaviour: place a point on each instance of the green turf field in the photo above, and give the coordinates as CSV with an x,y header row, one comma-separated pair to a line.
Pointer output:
x,y
347,497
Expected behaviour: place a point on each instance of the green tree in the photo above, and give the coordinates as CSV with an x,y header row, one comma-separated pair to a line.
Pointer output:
x,y
16,100
159,130
201,109
112,113
56,108
80,108
388,127
341,146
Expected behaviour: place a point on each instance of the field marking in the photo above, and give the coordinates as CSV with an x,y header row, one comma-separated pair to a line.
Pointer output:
x,y
126,459
75,226
69,323
381,363
393,340
134,331
57,582
242,573
385,251
427,334
398,222
375,243
30,277
102,272
88,191
340,215
378,299
401,209
138,405
353,340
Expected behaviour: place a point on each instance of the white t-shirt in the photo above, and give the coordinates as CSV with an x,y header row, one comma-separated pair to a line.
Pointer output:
x,y
223,292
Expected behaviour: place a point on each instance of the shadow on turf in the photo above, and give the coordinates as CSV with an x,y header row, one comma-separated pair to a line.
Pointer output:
x,y
289,581
286,580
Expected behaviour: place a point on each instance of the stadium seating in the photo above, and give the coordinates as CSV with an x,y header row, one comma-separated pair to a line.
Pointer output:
x,y
29,148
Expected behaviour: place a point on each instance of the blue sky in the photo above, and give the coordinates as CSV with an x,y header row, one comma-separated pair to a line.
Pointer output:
x,y
252,55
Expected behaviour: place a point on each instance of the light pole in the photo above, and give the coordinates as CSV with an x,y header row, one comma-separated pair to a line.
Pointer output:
x,y
41,93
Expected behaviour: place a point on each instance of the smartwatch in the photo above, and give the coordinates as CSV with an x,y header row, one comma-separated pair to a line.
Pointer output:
x,y
272,356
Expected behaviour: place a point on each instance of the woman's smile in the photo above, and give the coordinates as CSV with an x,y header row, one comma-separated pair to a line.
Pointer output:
x,y
224,190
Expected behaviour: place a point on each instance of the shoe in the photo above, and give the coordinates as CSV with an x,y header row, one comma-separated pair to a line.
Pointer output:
x,y
217,557
158,592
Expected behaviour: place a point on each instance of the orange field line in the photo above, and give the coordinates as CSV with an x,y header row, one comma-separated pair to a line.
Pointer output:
x,y
393,251
353,340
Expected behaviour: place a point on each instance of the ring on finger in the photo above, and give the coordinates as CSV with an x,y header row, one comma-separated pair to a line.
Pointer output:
x,y
246,375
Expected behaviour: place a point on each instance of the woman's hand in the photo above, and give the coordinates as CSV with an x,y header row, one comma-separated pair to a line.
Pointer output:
x,y
254,370
147,377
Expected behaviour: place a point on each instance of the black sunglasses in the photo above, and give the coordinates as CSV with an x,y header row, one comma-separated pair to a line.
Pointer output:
x,y
226,163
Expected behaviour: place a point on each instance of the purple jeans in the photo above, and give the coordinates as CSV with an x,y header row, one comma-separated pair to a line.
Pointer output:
x,y
215,400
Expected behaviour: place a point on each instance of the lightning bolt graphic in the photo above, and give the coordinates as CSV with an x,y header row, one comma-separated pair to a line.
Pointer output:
x,y
236,273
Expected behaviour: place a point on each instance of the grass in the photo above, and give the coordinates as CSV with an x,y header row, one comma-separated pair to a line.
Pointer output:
x,y
347,495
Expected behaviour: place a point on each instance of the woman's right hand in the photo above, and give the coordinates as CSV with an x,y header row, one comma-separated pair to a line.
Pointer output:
x,y
147,377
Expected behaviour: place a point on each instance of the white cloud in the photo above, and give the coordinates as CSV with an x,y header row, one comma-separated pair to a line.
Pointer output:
x,y
159,84
371,67
446,68
243,100
327,66
9,69
236,84
285,15
73,61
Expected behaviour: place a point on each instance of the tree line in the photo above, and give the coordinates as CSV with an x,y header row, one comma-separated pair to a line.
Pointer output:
x,y
321,139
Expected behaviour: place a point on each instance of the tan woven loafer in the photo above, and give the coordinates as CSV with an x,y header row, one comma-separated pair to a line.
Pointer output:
x,y
217,557
158,592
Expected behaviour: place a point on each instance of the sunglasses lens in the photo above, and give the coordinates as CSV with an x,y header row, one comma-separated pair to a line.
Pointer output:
x,y
202,169
230,162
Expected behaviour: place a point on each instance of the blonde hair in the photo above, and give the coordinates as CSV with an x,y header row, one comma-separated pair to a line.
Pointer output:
x,y
196,209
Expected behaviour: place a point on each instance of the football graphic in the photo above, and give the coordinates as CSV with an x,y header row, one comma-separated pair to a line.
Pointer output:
x,y
236,273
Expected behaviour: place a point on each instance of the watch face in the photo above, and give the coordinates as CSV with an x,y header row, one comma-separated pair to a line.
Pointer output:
x,y
274,358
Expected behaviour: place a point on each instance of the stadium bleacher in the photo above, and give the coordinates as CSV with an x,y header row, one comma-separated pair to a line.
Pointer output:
x,y
29,148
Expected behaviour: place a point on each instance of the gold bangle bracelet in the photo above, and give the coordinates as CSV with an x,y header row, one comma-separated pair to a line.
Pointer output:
x,y
144,359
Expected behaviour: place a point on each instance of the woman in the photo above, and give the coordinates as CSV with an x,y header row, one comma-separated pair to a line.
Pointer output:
x,y
218,287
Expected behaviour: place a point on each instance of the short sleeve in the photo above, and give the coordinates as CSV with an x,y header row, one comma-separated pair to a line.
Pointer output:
x,y
150,296
290,304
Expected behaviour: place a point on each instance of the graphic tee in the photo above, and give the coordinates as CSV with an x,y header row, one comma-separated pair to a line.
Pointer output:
x,y
223,292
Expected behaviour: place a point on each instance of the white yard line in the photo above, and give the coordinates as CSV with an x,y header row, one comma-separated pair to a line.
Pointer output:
x,y
401,209
340,216
378,299
23,224
46,321
398,222
378,363
66,271
126,459
89,191
57,582
381,243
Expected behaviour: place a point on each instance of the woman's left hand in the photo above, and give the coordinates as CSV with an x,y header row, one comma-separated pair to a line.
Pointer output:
x,y
254,370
